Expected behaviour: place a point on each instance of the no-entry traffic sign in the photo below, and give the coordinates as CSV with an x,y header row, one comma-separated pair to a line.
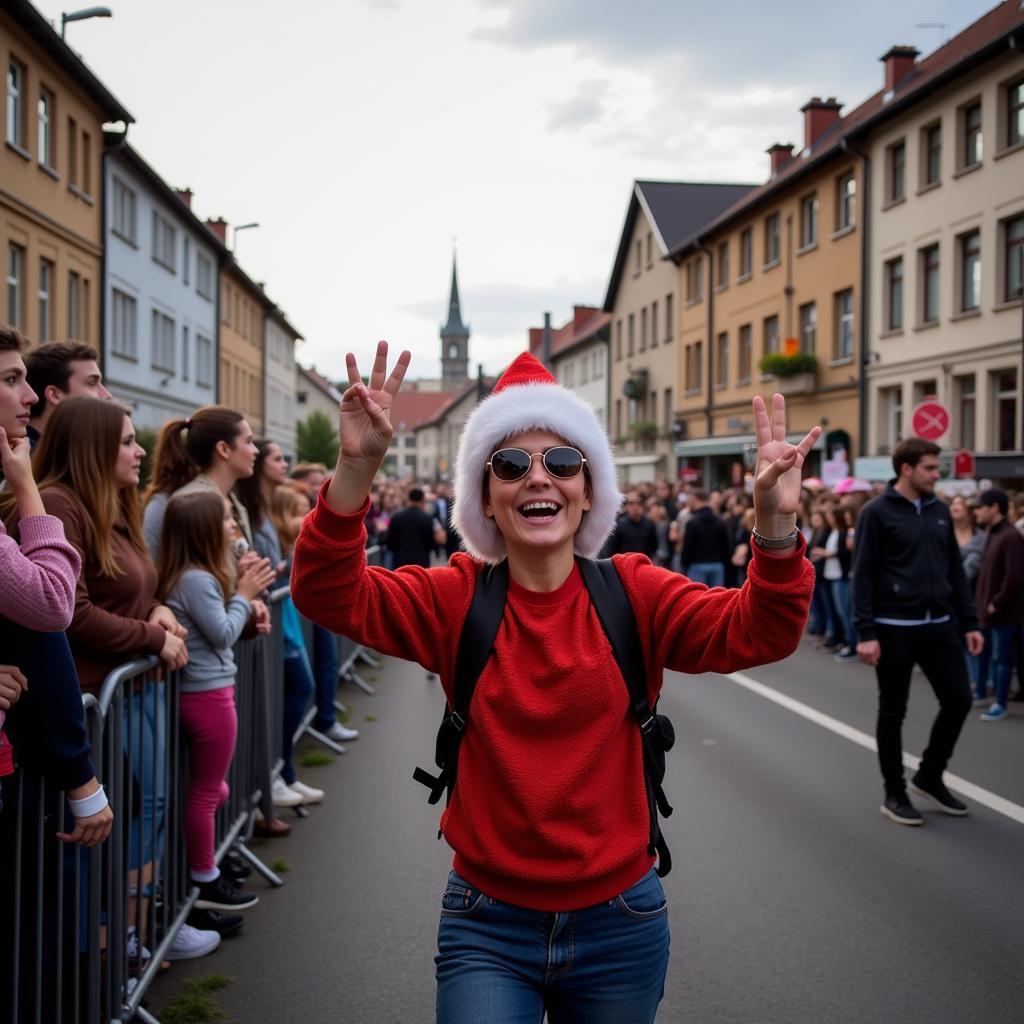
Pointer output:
x,y
929,420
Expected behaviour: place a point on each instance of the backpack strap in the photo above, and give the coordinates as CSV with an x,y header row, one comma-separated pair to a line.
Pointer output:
x,y
476,642
611,602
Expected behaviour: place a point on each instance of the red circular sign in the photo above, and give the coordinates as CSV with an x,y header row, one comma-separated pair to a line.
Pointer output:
x,y
929,420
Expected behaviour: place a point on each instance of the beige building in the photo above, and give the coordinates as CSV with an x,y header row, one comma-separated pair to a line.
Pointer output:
x,y
314,392
437,437
642,301
51,181
947,246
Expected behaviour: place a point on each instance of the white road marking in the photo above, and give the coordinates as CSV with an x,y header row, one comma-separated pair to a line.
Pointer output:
x,y
967,789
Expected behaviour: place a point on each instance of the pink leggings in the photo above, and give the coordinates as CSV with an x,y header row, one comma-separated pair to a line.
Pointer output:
x,y
210,720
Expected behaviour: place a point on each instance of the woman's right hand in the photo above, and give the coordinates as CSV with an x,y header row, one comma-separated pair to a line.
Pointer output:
x,y
174,653
256,578
364,419
12,684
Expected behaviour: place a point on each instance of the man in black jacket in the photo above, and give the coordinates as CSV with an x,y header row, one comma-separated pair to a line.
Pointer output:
x,y
707,548
912,604
412,534
634,531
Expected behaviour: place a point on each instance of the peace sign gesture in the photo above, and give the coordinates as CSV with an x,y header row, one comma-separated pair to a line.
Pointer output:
x,y
364,420
777,476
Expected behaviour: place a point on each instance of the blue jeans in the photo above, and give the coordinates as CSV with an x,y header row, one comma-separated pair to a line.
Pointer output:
x,y
711,573
325,671
504,964
995,663
145,723
298,689
842,598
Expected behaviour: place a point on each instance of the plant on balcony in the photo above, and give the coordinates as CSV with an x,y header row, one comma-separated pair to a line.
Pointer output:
x,y
778,365
645,430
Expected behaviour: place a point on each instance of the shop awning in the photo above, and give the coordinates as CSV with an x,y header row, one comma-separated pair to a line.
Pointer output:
x,y
731,445
649,459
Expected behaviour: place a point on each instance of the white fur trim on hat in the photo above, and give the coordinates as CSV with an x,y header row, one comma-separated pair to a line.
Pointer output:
x,y
517,409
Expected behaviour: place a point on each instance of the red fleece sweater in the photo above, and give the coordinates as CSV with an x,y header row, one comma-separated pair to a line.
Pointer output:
x,y
549,810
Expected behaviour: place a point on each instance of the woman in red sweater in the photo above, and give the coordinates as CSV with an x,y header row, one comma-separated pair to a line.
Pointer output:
x,y
553,903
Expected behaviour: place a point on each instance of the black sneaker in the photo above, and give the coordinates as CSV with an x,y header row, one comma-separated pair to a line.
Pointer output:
x,y
901,810
220,894
234,867
938,794
215,921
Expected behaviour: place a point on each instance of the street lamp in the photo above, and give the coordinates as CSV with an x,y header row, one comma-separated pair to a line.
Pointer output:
x,y
242,227
83,15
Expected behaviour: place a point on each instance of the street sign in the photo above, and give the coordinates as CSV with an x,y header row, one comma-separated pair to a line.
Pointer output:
x,y
929,420
963,464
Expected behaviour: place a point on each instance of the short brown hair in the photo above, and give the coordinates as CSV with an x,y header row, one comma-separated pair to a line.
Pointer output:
x,y
11,339
305,469
911,451
50,363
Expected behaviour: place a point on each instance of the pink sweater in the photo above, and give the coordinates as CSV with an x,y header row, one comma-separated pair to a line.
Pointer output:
x,y
37,578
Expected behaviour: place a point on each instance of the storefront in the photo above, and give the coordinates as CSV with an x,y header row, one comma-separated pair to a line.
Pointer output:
x,y
721,462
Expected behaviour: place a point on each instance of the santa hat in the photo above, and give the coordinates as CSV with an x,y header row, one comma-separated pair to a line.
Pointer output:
x,y
528,398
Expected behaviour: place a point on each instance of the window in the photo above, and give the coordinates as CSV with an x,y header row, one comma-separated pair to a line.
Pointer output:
x,y
722,360
654,325
723,265
698,364
746,253
618,340
895,168
924,389
124,212
966,407
15,104
631,334
746,353
971,119
1015,113
670,323
809,220
1005,395
204,276
15,278
1013,259
86,163
808,327
695,280
892,408
186,258
846,201
185,352
618,417
650,250
843,348
931,155
45,115
893,316
970,271
643,329
86,307
929,271
163,242
72,151
636,267
163,355
124,325
771,335
74,304
771,240
670,413
45,300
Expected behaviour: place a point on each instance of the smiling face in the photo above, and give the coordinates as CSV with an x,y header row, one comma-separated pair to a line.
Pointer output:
x,y
16,397
129,457
538,512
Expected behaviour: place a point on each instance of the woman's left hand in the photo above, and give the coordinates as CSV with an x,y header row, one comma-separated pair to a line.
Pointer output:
x,y
777,476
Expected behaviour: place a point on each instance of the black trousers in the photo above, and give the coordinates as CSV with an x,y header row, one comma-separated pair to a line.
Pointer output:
x,y
940,653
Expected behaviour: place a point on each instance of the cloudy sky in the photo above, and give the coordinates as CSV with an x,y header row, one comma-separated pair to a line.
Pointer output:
x,y
365,135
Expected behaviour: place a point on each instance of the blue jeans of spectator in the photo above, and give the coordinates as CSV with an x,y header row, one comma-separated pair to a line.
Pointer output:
x,y
995,663
842,598
824,620
298,691
325,671
711,573
145,723
504,964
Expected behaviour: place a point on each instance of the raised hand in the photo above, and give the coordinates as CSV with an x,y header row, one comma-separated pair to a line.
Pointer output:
x,y
364,420
777,476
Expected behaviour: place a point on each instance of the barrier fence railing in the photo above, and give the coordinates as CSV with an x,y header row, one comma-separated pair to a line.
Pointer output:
x,y
89,928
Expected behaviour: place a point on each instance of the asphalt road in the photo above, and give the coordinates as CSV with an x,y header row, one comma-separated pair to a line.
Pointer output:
x,y
792,900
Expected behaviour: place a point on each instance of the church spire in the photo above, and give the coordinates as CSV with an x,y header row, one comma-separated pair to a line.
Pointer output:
x,y
454,342
455,325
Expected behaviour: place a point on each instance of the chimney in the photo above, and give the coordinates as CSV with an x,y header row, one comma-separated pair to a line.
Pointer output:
x,y
899,62
220,228
781,153
536,338
819,116
581,316
185,195
546,343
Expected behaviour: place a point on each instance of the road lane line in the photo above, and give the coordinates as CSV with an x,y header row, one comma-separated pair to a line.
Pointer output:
x,y
985,797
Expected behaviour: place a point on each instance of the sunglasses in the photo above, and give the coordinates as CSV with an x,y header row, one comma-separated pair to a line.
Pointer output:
x,y
561,462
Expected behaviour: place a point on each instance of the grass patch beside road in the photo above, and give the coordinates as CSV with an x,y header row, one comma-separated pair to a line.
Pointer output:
x,y
195,1003
316,759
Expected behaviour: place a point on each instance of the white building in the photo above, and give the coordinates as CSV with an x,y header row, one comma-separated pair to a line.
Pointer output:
x,y
159,292
279,340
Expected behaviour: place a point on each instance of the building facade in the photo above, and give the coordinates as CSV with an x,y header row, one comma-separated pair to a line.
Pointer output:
x,y
51,181
437,438
160,293
314,392
279,341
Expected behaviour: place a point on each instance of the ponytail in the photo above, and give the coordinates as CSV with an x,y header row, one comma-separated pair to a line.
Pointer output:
x,y
172,466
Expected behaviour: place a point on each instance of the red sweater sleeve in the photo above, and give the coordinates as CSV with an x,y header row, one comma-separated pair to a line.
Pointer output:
x,y
687,627
412,613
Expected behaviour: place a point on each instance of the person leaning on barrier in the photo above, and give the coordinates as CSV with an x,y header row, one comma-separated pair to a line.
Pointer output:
x,y
560,853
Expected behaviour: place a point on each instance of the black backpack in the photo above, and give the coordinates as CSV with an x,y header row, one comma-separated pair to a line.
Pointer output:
x,y
616,615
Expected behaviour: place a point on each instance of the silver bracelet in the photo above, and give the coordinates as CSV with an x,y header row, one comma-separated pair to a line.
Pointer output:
x,y
775,542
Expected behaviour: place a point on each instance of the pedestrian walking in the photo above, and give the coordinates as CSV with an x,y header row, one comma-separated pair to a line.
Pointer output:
x,y
411,536
553,903
911,605
999,594
634,531
707,547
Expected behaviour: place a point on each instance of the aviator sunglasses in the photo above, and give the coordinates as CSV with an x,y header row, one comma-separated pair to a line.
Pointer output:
x,y
561,462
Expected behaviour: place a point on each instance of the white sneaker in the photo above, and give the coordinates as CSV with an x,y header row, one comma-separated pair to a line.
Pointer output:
x,y
340,733
309,794
132,948
283,795
190,943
